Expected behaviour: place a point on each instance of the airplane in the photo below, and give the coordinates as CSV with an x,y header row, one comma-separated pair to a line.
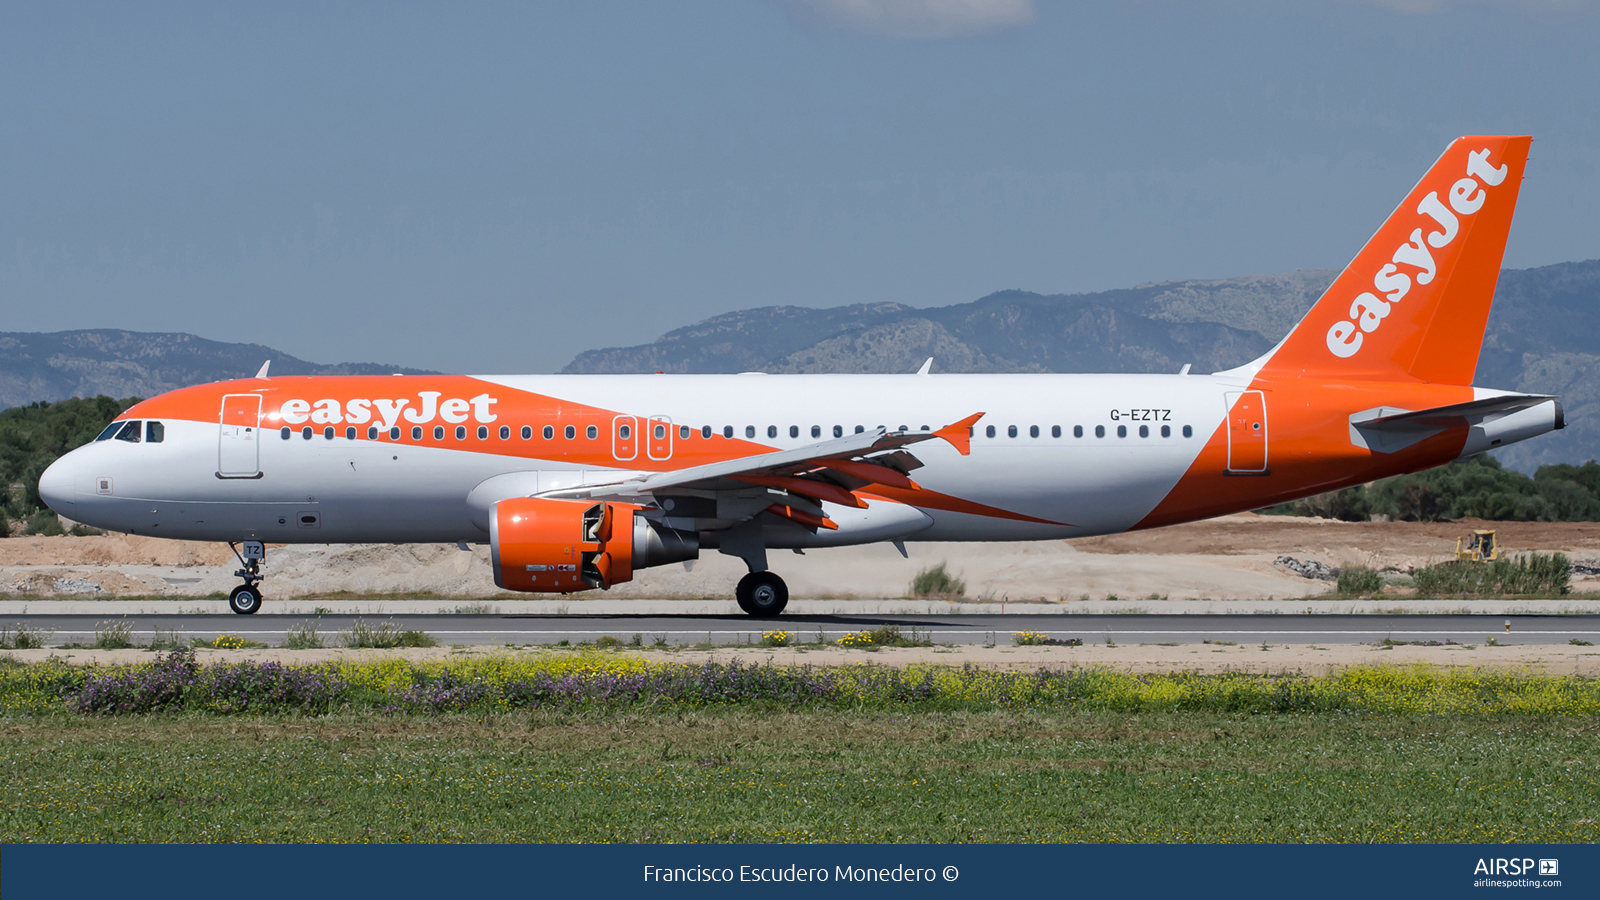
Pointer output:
x,y
577,481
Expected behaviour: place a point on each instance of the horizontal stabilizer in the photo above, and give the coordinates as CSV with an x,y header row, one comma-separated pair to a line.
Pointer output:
x,y
1386,429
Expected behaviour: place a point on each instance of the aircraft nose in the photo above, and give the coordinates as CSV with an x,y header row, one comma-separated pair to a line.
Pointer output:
x,y
56,486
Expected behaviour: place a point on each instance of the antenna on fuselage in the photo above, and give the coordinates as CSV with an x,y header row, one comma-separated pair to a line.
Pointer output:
x,y
264,366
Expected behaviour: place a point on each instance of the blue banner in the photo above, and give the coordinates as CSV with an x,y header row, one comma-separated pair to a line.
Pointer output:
x,y
439,872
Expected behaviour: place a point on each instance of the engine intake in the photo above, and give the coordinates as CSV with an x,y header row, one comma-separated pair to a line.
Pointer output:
x,y
560,546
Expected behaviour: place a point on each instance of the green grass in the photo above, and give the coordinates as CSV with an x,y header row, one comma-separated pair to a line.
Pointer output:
x,y
753,775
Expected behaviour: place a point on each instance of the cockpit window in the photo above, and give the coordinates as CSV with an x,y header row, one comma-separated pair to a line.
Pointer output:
x,y
130,432
154,432
111,431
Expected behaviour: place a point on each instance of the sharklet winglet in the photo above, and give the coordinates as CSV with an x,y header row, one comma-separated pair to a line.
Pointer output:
x,y
959,434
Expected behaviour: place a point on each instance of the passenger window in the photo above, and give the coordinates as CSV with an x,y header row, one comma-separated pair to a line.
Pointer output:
x,y
1166,431
860,428
130,432
816,431
306,432
705,431
527,432
1055,431
1187,431
154,432
570,432
1144,431
461,432
838,431
327,432
1011,431
394,433
1122,431
438,432
749,431
110,432
683,432
285,432
549,432
989,432
772,431
349,432
1099,431
794,431
1077,431
727,431
1033,431
624,432
505,432
372,432
416,432
591,432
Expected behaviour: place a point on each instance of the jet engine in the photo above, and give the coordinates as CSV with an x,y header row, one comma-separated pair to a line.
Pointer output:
x,y
561,546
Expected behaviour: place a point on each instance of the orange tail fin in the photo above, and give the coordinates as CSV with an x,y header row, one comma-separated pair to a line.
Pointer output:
x,y
1413,304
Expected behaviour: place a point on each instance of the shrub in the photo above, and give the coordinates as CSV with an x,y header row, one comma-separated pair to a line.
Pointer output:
x,y
1040,639
777,638
303,637
45,522
1528,573
937,582
384,636
21,637
113,635
885,636
608,642
1359,581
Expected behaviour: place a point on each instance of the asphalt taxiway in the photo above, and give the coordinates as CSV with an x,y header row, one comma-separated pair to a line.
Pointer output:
x,y
481,629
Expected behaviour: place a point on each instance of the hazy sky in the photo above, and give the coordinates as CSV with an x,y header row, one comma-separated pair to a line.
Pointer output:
x,y
492,188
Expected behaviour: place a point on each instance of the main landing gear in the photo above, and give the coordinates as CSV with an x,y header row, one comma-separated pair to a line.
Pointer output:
x,y
762,594
246,598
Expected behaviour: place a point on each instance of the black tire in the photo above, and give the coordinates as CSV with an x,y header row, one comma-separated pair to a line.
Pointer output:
x,y
245,599
762,594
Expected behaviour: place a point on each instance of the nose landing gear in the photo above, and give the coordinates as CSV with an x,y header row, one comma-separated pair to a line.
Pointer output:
x,y
246,598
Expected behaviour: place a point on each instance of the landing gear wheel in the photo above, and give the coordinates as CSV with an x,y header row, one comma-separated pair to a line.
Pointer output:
x,y
245,599
762,595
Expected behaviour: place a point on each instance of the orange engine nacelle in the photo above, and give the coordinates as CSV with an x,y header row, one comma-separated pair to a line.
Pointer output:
x,y
560,546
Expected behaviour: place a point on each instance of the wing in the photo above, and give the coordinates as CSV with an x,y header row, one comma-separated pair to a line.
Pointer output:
x,y
788,483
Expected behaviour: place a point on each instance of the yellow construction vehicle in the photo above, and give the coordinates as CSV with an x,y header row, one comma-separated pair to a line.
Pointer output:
x,y
1479,546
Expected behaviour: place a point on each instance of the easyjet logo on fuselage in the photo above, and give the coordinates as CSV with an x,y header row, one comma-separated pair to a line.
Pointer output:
x,y
1368,311
389,410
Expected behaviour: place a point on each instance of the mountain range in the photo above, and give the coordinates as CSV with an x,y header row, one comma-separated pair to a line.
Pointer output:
x,y
1541,338
120,364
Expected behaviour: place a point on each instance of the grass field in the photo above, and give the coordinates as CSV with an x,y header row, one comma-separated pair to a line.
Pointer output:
x,y
750,776
338,753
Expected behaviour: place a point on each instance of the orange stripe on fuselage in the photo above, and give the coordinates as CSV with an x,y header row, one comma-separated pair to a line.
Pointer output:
x,y
1308,448
512,408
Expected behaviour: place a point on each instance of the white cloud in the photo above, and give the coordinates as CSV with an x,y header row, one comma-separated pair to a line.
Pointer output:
x,y
914,19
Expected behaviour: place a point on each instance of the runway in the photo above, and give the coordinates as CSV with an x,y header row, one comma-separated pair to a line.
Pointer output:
x,y
972,629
